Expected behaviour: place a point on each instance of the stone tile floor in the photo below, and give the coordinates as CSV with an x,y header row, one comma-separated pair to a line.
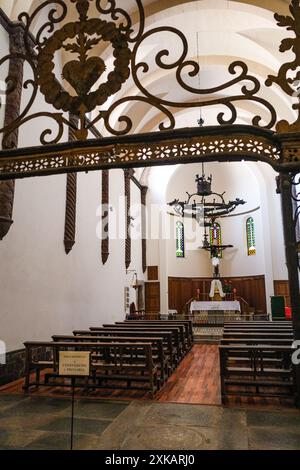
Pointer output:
x,y
42,423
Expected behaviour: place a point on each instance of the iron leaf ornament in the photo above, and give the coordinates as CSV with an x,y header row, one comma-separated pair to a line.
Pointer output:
x,y
288,81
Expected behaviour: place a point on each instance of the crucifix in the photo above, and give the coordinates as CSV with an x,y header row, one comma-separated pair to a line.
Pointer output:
x,y
216,288
214,250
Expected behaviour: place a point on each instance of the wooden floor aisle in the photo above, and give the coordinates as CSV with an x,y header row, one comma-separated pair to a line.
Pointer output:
x,y
195,381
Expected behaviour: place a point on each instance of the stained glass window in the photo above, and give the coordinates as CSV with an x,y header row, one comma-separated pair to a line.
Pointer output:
x,y
251,248
215,233
179,240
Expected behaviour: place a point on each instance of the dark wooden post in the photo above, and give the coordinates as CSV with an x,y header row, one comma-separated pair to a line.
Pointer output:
x,y
12,112
144,190
127,177
289,227
71,196
105,215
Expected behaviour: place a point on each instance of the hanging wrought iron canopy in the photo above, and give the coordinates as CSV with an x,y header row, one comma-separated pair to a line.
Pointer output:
x,y
210,206
84,89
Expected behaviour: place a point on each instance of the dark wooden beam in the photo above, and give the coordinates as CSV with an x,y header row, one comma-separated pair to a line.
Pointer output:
x,y
71,198
105,216
127,192
292,258
12,106
189,145
144,190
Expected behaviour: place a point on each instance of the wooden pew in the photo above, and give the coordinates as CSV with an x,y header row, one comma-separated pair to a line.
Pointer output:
x,y
177,346
242,356
188,325
257,377
254,340
258,327
179,338
260,331
258,324
256,330
166,336
261,321
158,325
109,363
258,335
158,355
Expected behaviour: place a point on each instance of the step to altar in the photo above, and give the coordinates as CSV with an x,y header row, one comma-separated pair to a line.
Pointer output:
x,y
207,335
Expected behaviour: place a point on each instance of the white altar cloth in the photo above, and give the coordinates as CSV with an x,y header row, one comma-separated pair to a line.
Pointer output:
x,y
211,305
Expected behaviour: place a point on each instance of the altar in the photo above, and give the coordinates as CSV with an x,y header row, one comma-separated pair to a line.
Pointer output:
x,y
214,313
212,306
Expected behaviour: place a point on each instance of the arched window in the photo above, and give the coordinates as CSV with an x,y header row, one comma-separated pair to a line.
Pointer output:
x,y
250,228
215,233
179,240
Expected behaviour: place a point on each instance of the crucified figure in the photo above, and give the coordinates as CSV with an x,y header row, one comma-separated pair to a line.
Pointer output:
x,y
214,250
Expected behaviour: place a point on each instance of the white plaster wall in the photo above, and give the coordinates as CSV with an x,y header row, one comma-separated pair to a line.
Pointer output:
x,y
276,223
44,291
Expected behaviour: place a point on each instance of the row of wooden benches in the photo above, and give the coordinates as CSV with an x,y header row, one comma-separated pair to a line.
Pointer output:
x,y
256,359
132,354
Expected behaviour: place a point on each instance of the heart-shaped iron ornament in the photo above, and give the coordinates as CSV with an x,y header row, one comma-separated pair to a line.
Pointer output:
x,y
82,74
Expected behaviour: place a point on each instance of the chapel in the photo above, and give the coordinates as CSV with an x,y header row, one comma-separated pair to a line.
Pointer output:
x,y
149,224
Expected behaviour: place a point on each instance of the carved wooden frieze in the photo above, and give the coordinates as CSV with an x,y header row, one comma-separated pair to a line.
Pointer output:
x,y
71,196
179,146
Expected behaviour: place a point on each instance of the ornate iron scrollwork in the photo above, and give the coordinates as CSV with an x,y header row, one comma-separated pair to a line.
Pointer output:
x,y
87,90
248,92
289,84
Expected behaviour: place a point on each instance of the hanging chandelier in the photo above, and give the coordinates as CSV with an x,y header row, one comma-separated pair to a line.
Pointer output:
x,y
205,205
